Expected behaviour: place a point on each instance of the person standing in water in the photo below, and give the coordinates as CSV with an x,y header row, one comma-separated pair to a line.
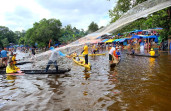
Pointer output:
x,y
33,51
53,58
4,56
111,54
85,53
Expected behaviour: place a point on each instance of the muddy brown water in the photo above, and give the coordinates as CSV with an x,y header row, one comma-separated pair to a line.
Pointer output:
x,y
135,84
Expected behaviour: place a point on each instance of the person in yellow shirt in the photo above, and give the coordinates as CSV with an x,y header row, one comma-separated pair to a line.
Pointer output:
x,y
152,52
14,59
94,49
11,68
85,53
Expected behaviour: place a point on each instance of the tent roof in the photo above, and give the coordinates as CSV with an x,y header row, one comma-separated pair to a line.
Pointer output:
x,y
110,40
98,37
122,40
104,40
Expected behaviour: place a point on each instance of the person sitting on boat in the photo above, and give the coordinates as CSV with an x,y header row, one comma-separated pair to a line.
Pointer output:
x,y
111,55
152,52
132,51
74,55
11,68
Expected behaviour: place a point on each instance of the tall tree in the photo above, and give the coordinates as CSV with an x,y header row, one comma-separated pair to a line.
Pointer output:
x,y
6,36
92,27
43,31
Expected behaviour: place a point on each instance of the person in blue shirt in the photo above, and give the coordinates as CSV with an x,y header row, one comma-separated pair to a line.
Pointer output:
x,y
118,54
4,56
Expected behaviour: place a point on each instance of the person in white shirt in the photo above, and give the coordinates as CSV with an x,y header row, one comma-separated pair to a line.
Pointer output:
x,y
53,60
110,54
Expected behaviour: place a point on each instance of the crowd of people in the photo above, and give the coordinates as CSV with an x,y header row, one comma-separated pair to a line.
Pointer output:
x,y
9,57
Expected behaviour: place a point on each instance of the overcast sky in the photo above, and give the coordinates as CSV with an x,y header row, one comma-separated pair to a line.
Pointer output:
x,y
21,14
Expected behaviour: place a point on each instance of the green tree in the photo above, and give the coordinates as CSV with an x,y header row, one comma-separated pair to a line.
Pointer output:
x,y
6,36
92,27
43,31
5,42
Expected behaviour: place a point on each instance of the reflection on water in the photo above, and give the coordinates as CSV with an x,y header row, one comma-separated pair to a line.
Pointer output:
x,y
136,83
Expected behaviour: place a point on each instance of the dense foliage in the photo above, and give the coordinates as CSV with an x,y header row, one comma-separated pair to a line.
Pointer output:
x,y
92,27
7,36
42,32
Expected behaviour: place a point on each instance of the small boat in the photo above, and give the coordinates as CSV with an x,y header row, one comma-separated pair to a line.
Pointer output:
x,y
115,62
93,54
40,72
144,55
82,63
21,63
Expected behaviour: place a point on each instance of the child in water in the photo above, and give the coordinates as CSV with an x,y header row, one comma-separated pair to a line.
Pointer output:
x,y
118,54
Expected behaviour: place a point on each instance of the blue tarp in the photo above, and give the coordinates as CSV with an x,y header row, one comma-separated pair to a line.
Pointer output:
x,y
104,40
122,40
152,37
117,40
158,28
98,37
21,45
135,37
56,44
137,31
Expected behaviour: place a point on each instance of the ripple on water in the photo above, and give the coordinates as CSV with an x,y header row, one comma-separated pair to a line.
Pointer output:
x,y
136,83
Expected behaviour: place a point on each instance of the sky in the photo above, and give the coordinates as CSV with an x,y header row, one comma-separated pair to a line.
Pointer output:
x,y
20,15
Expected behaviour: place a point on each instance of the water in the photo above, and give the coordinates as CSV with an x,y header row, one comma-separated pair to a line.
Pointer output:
x,y
136,83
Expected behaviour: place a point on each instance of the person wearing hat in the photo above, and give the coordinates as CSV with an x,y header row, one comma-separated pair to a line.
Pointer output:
x,y
152,52
11,68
